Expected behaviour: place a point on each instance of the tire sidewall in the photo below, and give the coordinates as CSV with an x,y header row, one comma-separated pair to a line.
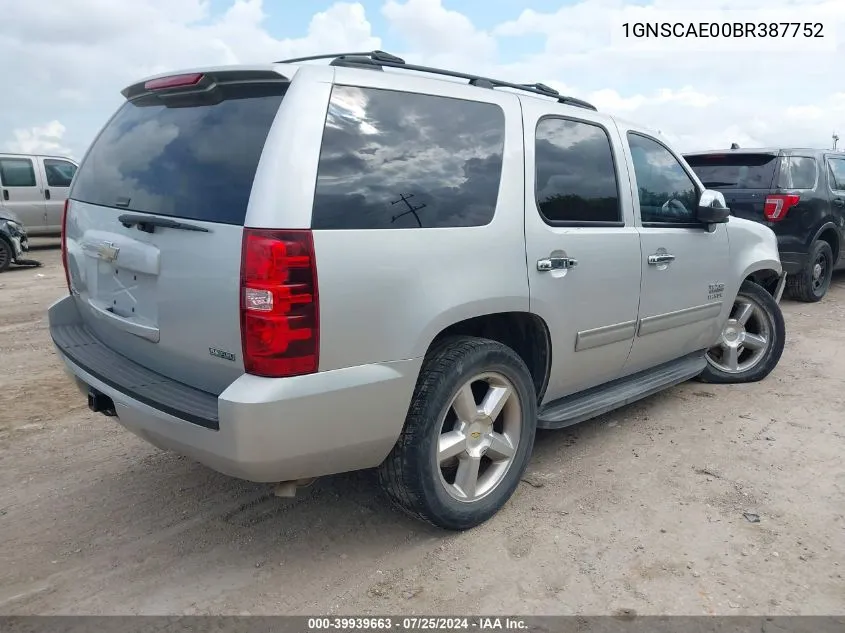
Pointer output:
x,y
489,358
10,254
818,248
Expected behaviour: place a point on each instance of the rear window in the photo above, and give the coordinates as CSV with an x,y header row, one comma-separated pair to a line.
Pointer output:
x,y
189,162
397,160
735,171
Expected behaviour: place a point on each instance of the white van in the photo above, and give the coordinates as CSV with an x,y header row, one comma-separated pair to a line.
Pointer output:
x,y
33,190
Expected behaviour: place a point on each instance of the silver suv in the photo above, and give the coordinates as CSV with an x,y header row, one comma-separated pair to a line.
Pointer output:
x,y
297,269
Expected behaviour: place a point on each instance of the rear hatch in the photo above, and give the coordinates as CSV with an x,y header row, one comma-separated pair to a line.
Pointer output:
x,y
744,178
154,224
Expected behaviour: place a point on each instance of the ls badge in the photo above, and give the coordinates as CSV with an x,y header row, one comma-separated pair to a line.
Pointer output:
x,y
219,353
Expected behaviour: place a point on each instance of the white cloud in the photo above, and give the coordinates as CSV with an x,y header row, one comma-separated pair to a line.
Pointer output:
x,y
437,32
805,112
608,99
43,139
74,56
697,99
69,94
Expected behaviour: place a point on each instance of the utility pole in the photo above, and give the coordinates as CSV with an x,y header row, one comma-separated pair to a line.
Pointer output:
x,y
835,140
411,209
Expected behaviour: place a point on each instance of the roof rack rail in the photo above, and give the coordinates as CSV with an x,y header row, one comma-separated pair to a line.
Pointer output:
x,y
542,87
376,56
547,90
381,59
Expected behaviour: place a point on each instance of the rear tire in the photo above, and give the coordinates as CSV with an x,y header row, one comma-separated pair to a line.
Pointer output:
x,y
453,466
751,342
6,255
812,283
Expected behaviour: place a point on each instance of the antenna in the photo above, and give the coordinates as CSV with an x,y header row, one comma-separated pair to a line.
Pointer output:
x,y
734,146
411,208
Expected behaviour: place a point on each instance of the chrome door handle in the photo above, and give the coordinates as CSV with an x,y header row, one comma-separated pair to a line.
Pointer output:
x,y
661,258
556,263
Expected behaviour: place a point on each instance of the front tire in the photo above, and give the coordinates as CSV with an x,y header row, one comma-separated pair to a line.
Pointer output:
x,y
6,255
468,435
752,340
812,283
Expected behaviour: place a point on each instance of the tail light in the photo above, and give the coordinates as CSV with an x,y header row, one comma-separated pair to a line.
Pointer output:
x,y
64,243
280,318
777,206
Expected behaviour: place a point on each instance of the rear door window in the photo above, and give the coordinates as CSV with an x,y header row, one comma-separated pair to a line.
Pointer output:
x,y
193,162
735,171
17,172
398,160
575,173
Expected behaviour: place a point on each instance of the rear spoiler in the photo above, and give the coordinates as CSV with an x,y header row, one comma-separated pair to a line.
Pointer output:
x,y
203,85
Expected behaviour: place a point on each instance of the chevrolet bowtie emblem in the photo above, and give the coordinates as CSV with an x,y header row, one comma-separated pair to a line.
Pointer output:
x,y
108,251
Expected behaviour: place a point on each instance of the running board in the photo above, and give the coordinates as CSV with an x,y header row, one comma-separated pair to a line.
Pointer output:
x,y
598,400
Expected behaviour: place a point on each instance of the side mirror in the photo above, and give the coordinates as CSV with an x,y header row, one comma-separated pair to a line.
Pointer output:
x,y
712,208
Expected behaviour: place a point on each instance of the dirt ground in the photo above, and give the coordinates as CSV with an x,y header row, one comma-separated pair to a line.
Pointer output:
x,y
642,509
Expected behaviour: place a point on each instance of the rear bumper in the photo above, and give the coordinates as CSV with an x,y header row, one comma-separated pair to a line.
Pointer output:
x,y
793,250
268,429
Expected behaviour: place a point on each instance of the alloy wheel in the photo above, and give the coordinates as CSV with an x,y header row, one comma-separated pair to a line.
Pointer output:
x,y
820,268
479,437
745,339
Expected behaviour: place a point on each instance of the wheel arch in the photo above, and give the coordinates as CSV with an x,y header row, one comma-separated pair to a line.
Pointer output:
x,y
767,277
829,233
524,332
754,266
762,267
754,254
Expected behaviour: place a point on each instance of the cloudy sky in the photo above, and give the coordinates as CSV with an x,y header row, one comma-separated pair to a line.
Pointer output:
x,y
65,61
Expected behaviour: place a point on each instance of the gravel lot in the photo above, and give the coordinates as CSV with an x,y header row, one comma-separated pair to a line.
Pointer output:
x,y
642,509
